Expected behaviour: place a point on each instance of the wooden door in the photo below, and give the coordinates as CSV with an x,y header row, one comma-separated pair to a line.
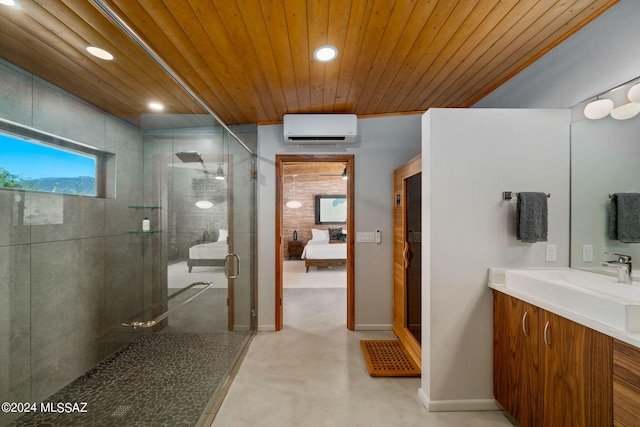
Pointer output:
x,y
576,374
406,254
516,358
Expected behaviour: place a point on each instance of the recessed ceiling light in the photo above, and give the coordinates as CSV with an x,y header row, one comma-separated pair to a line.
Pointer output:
x,y
325,53
156,106
14,4
99,53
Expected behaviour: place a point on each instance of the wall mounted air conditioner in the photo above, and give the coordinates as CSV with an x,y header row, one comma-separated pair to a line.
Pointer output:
x,y
318,129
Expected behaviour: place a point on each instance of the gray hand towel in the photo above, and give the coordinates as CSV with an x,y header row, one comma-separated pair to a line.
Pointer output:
x,y
532,222
624,217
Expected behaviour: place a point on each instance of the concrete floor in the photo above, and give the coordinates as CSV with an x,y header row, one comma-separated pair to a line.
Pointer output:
x,y
313,374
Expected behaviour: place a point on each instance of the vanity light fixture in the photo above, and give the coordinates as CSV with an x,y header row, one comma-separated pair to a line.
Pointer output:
x,y
99,53
602,107
325,53
634,93
626,111
598,109
156,106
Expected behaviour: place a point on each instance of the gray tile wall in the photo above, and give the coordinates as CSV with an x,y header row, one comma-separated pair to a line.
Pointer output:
x,y
66,286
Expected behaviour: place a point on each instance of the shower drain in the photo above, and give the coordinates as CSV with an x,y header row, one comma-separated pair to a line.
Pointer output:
x,y
121,411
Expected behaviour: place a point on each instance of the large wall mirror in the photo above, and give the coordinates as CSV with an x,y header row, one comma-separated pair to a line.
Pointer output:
x,y
605,159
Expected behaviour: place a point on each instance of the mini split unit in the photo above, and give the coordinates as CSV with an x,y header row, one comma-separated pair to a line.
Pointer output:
x,y
320,129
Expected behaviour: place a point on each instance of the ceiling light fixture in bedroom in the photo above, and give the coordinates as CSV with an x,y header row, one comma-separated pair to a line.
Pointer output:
x,y
204,203
220,172
294,204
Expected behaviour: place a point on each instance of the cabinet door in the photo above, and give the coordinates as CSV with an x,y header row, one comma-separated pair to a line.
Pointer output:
x,y
516,358
626,385
575,373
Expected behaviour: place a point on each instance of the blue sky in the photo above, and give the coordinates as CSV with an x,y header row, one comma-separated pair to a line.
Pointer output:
x,y
31,160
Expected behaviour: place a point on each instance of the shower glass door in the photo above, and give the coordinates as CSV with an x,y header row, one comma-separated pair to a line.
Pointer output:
x,y
242,235
202,191
198,239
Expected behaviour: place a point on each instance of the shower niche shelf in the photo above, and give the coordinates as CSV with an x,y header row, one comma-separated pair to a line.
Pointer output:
x,y
144,207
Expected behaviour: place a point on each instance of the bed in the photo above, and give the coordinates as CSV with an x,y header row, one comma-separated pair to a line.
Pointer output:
x,y
322,252
210,254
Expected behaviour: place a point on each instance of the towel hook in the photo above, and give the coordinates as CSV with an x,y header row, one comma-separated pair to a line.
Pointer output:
x,y
508,195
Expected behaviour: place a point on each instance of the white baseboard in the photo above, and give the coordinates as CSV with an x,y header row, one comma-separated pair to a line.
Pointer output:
x,y
373,327
457,405
266,328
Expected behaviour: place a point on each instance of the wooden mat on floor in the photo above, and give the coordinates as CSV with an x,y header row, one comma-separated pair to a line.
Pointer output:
x,y
387,358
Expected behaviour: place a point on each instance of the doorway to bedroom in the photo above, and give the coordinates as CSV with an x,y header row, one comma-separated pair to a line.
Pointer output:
x,y
314,252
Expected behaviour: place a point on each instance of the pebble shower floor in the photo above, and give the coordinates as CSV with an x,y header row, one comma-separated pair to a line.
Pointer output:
x,y
159,379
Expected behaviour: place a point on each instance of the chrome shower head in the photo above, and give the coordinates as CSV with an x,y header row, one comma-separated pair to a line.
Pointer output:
x,y
190,157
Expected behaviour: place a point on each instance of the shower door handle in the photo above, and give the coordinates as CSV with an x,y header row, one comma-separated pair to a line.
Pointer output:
x,y
227,264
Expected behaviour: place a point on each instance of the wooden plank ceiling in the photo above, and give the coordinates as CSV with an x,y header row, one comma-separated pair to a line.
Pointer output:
x,y
313,171
250,61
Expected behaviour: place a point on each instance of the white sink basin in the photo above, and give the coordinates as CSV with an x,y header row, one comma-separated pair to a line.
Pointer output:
x,y
594,296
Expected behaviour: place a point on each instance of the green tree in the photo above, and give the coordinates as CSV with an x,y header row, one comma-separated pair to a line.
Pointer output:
x,y
10,180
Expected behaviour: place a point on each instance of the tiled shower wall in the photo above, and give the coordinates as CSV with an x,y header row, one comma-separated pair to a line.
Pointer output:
x,y
65,287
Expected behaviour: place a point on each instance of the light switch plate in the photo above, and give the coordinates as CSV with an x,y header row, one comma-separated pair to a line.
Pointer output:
x,y
552,253
587,253
365,237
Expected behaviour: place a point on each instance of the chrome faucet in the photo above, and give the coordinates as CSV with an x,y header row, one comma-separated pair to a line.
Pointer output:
x,y
623,266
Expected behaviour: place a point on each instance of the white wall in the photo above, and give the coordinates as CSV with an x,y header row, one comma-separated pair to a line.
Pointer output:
x,y
599,57
470,156
382,145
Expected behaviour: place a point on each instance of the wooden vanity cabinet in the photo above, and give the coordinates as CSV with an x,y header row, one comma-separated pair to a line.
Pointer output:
x,y
516,358
575,373
626,385
550,371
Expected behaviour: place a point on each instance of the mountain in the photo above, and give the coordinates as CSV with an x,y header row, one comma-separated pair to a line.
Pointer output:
x,y
83,185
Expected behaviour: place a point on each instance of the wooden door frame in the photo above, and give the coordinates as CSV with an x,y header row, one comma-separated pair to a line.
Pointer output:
x,y
349,159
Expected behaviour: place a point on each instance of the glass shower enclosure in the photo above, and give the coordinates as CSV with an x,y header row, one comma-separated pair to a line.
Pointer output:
x,y
131,307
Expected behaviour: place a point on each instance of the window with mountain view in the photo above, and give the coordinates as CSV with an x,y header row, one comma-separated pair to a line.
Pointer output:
x,y
37,166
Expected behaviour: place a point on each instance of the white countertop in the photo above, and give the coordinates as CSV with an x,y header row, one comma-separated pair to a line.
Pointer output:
x,y
497,281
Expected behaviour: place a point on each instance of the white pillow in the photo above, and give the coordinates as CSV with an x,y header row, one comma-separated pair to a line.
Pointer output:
x,y
320,235
222,237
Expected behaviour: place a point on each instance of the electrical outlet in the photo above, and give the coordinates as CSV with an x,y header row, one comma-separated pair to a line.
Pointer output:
x,y
552,253
587,253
